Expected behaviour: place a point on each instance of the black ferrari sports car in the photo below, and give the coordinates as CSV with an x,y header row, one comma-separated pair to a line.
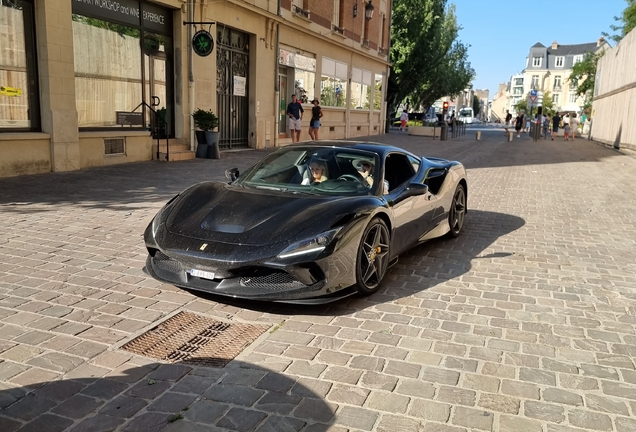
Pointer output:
x,y
309,223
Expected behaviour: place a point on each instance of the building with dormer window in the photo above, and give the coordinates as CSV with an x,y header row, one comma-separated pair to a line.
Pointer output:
x,y
548,69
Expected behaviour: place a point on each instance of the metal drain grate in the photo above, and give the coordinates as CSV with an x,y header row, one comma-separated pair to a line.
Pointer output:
x,y
194,339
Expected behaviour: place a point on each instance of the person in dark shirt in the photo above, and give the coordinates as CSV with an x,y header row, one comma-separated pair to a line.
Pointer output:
x,y
314,123
556,119
295,114
507,122
519,123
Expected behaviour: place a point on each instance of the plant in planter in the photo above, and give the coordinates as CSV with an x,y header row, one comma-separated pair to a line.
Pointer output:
x,y
161,130
207,121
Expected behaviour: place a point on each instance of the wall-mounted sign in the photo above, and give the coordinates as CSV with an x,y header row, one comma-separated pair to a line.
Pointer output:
x,y
298,61
10,91
126,118
127,12
202,43
239,85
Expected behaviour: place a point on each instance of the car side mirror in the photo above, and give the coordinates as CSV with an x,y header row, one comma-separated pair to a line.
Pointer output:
x,y
416,189
232,174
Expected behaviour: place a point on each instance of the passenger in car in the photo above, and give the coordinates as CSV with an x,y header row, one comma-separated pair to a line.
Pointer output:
x,y
318,173
365,169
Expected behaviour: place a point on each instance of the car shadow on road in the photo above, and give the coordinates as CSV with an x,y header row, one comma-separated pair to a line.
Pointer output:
x,y
170,397
425,266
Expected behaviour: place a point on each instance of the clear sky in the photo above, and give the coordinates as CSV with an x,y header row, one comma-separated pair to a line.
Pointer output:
x,y
500,33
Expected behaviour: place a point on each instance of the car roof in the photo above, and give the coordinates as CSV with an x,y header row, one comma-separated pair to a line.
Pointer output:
x,y
379,148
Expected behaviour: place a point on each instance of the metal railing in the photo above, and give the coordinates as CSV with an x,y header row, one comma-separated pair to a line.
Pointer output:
x,y
154,125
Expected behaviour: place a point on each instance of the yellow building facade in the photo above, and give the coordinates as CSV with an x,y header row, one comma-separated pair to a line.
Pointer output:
x,y
87,83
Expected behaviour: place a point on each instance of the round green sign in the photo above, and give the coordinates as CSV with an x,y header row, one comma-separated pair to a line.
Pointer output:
x,y
202,43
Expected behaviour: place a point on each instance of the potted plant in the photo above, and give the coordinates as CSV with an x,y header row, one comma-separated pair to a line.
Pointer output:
x,y
207,121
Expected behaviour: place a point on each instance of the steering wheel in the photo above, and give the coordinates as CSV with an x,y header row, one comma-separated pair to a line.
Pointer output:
x,y
351,177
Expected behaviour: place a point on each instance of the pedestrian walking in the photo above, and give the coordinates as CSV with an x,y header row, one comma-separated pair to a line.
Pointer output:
x,y
556,119
519,124
314,123
566,119
404,117
527,123
546,126
574,124
295,113
507,122
566,131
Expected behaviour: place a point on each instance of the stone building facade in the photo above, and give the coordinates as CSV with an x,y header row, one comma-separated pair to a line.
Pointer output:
x,y
96,82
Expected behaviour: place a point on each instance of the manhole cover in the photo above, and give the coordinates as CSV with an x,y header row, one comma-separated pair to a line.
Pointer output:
x,y
194,339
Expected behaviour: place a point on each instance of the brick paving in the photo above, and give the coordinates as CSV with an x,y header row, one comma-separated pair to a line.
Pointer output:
x,y
527,322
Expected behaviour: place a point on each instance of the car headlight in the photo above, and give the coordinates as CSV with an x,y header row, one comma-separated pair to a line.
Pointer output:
x,y
161,216
311,245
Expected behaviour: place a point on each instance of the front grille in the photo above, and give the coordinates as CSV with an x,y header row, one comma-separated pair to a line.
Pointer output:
x,y
165,263
273,281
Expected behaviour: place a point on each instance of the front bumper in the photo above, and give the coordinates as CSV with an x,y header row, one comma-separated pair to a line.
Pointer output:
x,y
258,283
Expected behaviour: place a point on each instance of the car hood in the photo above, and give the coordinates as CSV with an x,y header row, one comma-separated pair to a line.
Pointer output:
x,y
218,212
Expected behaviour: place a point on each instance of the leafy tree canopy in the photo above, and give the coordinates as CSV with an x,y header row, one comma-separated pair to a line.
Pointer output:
x,y
583,76
627,22
428,61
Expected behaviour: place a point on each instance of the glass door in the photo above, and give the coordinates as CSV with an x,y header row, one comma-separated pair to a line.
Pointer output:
x,y
282,82
158,85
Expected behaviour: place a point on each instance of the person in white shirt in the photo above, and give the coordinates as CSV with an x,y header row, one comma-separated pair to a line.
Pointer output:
x,y
574,124
404,117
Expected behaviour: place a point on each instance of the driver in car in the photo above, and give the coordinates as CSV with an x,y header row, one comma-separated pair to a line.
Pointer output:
x,y
365,169
318,173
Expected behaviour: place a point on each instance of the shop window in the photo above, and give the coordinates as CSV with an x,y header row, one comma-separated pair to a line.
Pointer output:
x,y
304,73
360,89
333,83
377,95
19,95
123,58
107,70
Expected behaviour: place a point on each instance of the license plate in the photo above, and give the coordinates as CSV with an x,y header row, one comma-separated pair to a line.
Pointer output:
x,y
202,274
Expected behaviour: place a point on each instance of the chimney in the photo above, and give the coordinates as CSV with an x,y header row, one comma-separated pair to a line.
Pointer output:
x,y
600,41
555,45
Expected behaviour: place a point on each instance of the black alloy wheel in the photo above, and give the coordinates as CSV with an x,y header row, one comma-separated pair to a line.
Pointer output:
x,y
457,212
373,257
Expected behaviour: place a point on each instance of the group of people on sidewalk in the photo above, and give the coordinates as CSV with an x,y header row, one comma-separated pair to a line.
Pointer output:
x,y
522,123
295,113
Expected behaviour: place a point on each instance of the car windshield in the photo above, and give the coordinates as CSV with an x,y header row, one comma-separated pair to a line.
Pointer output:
x,y
465,113
315,170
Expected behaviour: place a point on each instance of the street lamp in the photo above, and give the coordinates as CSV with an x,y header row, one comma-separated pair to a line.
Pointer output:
x,y
368,10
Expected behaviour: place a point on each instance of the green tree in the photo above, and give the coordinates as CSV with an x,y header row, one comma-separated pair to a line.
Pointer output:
x,y
548,104
522,106
627,22
428,61
476,105
583,76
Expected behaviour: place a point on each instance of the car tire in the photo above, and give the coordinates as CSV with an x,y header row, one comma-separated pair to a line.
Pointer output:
x,y
457,212
373,257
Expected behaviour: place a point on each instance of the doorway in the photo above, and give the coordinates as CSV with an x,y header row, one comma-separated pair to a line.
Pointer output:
x,y
232,78
282,117
158,92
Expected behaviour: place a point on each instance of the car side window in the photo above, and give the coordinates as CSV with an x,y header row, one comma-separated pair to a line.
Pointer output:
x,y
398,170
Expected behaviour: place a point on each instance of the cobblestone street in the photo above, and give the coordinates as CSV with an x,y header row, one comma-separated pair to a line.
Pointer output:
x,y
526,322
